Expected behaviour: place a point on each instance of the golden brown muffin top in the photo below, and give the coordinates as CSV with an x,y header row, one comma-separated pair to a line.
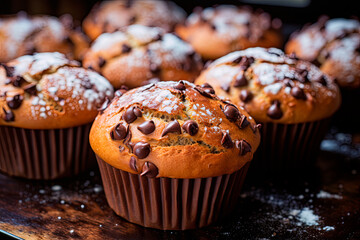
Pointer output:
x,y
272,86
138,54
176,130
216,31
110,16
333,45
48,91
22,34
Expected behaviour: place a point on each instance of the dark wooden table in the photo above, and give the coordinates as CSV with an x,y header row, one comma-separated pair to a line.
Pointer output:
x,y
319,203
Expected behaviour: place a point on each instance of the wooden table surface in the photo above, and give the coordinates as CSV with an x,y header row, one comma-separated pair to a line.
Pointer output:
x,y
321,203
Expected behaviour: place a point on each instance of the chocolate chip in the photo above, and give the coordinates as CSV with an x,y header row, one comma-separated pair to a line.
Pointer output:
x,y
172,127
226,140
87,84
191,127
147,127
208,88
105,104
245,62
274,111
149,170
121,148
293,56
287,82
180,86
154,68
243,122
125,48
15,101
204,91
142,149
9,70
298,93
101,62
245,95
17,81
213,27
132,20
322,80
231,112
9,115
303,75
243,146
127,141
119,132
225,87
240,80
133,164
131,114
30,89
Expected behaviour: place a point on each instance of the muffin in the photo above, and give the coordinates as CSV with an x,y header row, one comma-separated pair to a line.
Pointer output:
x,y
22,34
139,55
172,155
292,99
47,104
109,16
215,32
334,45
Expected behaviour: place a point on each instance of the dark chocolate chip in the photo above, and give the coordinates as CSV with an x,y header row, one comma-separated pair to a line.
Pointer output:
x,y
132,20
231,112
191,127
104,106
121,148
226,140
147,127
15,101
125,48
172,127
240,80
87,84
180,86
213,27
274,111
245,62
293,56
154,68
142,149
131,114
9,115
243,122
204,91
225,87
9,70
298,93
17,81
303,75
245,95
133,164
149,170
101,62
119,132
127,141
208,88
322,80
243,146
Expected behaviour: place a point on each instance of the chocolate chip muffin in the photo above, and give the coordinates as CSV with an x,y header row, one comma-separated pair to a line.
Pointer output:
x,y
176,143
217,31
47,104
22,34
110,16
139,55
292,99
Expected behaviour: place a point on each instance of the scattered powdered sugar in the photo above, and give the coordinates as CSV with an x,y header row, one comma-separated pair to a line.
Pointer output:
x,y
269,73
108,41
273,88
335,27
323,194
144,34
328,228
306,216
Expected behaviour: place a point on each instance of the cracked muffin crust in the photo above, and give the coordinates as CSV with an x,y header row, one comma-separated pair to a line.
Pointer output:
x,y
215,32
139,55
22,34
272,86
333,45
48,91
176,130
110,16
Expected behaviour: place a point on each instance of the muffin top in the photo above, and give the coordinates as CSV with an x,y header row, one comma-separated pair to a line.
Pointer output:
x,y
272,86
333,45
216,31
48,91
176,130
22,34
110,16
140,54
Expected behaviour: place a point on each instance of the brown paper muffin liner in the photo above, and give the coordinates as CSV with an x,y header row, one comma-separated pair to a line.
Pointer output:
x,y
45,154
289,146
170,203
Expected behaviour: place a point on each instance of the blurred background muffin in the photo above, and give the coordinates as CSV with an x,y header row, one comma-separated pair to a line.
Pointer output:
x,y
22,34
138,55
47,105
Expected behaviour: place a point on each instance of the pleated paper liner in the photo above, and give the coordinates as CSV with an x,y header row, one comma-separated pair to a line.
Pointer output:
x,y
169,203
45,154
289,146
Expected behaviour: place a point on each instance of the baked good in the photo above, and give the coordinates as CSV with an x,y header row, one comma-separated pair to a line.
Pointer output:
x,y
217,31
292,99
139,55
110,16
22,34
168,139
47,104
